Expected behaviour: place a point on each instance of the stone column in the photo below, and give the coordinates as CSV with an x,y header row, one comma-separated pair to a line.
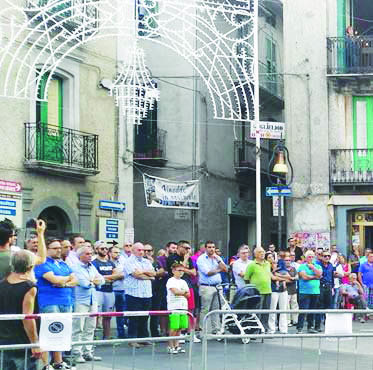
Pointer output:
x,y
27,200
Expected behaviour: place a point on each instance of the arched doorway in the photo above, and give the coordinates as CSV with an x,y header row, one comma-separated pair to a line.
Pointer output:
x,y
58,222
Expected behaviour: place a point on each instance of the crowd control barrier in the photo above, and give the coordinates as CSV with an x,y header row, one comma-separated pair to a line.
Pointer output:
x,y
116,352
337,348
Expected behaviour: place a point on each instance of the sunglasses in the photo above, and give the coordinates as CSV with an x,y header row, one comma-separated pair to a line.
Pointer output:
x,y
148,250
326,255
103,249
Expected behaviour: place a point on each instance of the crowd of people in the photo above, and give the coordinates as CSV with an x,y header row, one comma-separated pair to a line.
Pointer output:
x,y
76,275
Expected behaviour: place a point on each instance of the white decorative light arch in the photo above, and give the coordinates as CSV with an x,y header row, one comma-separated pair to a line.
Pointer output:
x,y
214,36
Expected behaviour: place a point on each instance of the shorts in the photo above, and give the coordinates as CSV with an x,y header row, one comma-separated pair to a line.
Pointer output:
x,y
59,308
105,301
178,321
191,301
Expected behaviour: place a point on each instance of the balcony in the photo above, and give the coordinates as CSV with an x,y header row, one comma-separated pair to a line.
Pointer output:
x,y
151,150
245,157
271,87
350,63
351,166
73,15
61,151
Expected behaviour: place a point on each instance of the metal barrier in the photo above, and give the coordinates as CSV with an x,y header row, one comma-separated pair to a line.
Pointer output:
x,y
284,347
116,362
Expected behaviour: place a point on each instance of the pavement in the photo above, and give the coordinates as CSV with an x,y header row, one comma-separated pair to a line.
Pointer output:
x,y
271,354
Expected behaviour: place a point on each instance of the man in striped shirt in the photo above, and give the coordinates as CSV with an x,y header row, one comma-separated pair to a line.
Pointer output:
x,y
138,287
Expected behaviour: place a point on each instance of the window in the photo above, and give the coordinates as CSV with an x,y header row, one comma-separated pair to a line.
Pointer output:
x,y
270,18
271,66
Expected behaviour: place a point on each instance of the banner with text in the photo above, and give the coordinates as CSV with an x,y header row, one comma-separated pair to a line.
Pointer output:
x,y
163,193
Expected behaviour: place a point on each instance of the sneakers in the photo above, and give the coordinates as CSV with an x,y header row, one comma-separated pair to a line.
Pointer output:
x,y
299,331
172,351
135,345
47,367
89,357
61,366
196,340
362,320
175,350
312,331
79,360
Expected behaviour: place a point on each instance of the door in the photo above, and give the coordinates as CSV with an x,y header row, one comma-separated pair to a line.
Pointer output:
x,y
238,233
49,117
362,132
368,233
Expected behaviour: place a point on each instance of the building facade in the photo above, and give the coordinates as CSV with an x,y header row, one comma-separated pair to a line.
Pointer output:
x,y
180,140
328,88
65,151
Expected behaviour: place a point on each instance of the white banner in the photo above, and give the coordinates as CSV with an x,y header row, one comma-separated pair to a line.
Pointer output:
x,y
163,193
56,332
269,130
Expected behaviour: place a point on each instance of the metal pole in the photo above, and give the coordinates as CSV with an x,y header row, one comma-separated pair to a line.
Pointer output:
x,y
257,129
279,219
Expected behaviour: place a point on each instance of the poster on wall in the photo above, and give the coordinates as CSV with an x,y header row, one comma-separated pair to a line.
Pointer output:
x,y
313,239
163,193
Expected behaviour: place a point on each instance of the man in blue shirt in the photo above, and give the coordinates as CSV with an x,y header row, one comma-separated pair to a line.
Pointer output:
x,y
309,290
326,287
85,301
55,282
210,265
366,278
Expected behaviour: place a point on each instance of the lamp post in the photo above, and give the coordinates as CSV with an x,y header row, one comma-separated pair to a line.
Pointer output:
x,y
278,161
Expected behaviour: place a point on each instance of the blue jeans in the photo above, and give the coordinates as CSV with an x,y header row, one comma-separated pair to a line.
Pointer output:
x,y
307,302
120,306
59,308
138,325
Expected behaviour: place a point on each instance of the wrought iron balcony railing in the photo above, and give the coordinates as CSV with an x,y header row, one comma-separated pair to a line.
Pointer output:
x,y
271,82
60,150
245,156
351,166
151,150
350,55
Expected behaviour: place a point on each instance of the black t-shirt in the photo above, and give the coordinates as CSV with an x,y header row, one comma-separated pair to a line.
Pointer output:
x,y
104,268
176,258
11,302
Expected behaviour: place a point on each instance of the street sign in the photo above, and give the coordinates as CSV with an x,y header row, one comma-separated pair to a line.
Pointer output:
x,y
11,186
276,205
284,191
111,230
109,205
269,130
11,206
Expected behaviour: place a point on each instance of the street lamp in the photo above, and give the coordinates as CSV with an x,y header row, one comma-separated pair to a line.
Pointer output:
x,y
279,165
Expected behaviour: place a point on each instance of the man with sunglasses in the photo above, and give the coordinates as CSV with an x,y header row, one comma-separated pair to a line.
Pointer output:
x,y
326,286
55,280
105,294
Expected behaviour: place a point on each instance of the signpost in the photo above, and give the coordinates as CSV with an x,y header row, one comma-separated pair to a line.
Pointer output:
x,y
111,230
11,202
269,130
109,205
284,191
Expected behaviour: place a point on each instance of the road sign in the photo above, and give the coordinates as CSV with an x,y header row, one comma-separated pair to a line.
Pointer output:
x,y
284,191
269,130
109,205
11,186
276,205
11,206
111,230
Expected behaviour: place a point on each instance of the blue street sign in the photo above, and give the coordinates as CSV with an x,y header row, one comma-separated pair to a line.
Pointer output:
x,y
112,236
284,191
7,212
109,205
112,222
112,229
8,203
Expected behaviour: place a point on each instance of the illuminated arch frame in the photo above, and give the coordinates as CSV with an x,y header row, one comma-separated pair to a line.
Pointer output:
x,y
223,30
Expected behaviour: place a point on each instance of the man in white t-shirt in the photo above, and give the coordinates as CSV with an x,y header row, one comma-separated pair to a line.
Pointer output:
x,y
239,267
177,299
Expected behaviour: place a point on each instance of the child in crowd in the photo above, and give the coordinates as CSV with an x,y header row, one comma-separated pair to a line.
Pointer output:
x,y
177,299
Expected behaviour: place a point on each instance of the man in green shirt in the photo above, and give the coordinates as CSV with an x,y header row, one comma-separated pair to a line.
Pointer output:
x,y
259,274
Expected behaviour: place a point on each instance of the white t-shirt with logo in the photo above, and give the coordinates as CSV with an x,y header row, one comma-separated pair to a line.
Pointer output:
x,y
238,267
176,302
